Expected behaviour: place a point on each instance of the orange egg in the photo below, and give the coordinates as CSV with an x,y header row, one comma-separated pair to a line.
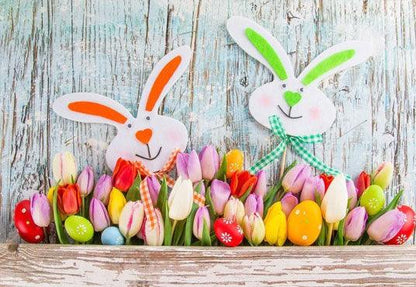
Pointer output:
x,y
235,161
304,223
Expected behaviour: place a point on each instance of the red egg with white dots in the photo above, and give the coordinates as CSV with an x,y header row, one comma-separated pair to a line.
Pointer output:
x,y
228,232
407,230
25,226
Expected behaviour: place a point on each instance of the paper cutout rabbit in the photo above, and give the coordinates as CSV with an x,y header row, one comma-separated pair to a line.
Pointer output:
x,y
301,106
149,137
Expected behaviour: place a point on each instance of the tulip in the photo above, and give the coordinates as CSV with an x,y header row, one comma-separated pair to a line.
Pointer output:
x,y
131,219
64,168
289,201
335,201
210,162
386,226
188,166
115,205
220,193
383,175
201,216
85,181
234,210
235,162
362,183
355,223
241,182
98,215
313,189
254,203
154,188
352,194
275,225
261,185
201,187
155,236
69,199
103,188
327,180
180,199
295,178
124,175
253,227
40,209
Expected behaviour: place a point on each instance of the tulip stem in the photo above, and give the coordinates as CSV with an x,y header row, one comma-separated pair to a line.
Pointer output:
x,y
45,231
173,226
128,241
329,234
282,164
83,206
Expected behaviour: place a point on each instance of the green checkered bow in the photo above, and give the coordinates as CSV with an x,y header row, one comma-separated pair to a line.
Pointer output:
x,y
296,142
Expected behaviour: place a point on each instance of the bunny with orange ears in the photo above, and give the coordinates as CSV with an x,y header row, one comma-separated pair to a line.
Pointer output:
x,y
149,137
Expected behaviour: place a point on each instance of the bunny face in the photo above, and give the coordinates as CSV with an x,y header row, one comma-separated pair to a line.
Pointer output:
x,y
302,108
149,138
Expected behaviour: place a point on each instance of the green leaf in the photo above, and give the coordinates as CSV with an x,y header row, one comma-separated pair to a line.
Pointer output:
x,y
178,232
340,232
206,239
221,173
162,199
245,195
168,227
322,235
60,232
189,225
392,205
209,203
133,194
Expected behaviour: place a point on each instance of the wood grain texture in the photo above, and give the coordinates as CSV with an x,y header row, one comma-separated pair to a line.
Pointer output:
x,y
49,48
52,265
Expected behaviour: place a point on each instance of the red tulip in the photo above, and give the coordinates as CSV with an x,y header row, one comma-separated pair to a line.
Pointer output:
x,y
124,174
327,179
241,181
69,199
362,182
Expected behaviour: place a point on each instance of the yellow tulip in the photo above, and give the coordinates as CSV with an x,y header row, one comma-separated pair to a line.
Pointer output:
x,y
50,198
235,161
115,205
253,227
276,225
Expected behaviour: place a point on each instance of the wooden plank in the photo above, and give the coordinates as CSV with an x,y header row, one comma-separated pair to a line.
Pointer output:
x,y
52,265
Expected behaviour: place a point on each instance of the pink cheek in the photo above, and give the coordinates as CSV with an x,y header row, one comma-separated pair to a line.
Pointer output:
x,y
173,136
265,100
314,113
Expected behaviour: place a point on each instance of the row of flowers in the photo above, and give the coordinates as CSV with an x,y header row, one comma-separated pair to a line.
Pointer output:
x,y
213,201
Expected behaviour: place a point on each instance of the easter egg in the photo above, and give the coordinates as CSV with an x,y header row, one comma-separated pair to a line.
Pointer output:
x,y
25,226
79,228
112,236
235,161
373,199
304,223
228,232
407,230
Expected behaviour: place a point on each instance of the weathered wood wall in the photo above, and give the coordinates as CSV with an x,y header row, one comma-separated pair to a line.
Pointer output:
x,y
49,48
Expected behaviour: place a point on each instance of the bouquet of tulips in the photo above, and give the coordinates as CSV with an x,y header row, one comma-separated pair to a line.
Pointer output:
x,y
213,201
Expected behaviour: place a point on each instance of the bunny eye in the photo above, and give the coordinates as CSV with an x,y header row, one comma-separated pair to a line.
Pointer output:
x,y
301,89
283,85
129,125
148,118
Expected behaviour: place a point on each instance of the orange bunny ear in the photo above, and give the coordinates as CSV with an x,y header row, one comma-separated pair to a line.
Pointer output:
x,y
166,72
91,108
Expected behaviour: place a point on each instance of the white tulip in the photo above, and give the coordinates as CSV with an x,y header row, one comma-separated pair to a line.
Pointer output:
x,y
334,204
181,199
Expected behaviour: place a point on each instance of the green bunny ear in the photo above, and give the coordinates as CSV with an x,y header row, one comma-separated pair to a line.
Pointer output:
x,y
267,51
327,64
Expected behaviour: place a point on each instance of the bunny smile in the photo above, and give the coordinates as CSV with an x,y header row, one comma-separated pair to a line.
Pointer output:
x,y
149,157
288,114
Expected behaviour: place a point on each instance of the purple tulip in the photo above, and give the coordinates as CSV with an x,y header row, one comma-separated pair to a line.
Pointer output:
x,y
296,177
386,226
355,223
103,188
85,181
352,194
154,188
261,185
201,215
98,215
40,209
201,187
188,166
254,203
313,187
289,201
220,193
210,162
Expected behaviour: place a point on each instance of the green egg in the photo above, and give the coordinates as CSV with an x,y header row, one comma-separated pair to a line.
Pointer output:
x,y
79,228
373,199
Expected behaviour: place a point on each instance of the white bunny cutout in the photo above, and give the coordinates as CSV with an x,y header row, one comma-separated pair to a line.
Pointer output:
x,y
302,108
150,138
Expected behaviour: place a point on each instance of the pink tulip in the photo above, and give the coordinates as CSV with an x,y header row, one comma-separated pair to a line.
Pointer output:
x,y
289,201
352,194
296,177
313,188
201,216
103,188
220,193
40,209
154,188
155,236
355,223
210,162
254,203
386,226
131,218
98,215
85,181
261,185
188,166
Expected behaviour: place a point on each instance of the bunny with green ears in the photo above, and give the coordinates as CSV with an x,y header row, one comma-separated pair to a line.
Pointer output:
x,y
295,104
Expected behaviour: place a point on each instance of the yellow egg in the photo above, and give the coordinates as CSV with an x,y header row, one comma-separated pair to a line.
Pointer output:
x,y
235,161
304,223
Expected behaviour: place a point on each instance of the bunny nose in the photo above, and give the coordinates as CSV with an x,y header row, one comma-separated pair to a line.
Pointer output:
x,y
144,136
292,98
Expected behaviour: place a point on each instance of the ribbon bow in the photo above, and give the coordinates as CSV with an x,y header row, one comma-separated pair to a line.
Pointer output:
x,y
296,142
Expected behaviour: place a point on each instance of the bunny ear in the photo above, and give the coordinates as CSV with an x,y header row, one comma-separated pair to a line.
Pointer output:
x,y
91,108
261,45
335,59
166,72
